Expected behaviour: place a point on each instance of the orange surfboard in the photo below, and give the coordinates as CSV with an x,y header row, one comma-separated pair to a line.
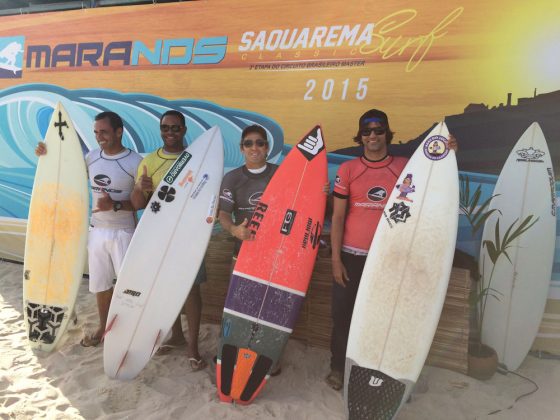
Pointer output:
x,y
272,273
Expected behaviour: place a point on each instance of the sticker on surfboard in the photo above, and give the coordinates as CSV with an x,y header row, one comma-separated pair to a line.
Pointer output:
x,y
399,213
436,148
311,145
177,167
405,187
530,155
166,193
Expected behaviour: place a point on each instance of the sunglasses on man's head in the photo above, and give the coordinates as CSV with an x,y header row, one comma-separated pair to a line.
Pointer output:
x,y
249,143
377,130
174,128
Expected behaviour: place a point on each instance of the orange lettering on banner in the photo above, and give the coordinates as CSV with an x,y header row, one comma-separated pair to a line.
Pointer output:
x,y
388,46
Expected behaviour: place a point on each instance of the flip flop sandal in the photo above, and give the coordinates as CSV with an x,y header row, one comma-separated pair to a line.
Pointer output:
x,y
197,364
334,380
168,348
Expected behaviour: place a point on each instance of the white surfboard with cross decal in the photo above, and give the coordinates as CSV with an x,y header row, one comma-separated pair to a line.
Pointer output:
x,y
55,246
164,256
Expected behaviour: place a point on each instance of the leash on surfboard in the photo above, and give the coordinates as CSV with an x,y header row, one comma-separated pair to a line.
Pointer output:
x,y
504,371
541,354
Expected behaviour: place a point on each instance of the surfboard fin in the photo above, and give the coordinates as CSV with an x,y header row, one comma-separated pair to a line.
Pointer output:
x,y
108,328
121,364
155,343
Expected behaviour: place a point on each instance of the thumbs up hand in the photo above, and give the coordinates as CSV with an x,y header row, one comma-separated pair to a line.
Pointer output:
x,y
104,203
145,182
242,231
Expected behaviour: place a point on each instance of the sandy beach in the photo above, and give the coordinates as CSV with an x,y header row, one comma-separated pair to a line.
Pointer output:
x,y
69,383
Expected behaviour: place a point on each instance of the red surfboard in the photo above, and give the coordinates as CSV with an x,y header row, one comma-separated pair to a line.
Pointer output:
x,y
272,273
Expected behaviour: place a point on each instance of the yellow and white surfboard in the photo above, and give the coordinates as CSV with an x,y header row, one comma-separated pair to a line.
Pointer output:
x,y
55,246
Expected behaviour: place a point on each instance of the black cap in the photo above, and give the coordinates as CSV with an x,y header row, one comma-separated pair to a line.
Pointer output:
x,y
374,115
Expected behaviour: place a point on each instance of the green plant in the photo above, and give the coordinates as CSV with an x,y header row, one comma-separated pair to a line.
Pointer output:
x,y
477,216
495,250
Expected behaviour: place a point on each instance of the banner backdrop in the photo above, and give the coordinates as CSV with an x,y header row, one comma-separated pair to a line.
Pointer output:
x,y
489,69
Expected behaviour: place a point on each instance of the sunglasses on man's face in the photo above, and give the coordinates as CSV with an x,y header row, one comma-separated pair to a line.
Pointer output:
x,y
249,143
174,128
377,130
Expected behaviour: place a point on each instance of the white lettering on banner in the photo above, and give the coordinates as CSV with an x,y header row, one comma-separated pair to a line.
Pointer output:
x,y
318,37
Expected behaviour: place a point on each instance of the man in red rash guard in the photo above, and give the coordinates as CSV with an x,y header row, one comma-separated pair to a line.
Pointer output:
x,y
361,190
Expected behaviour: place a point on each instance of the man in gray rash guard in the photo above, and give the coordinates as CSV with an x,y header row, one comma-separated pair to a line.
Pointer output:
x,y
243,187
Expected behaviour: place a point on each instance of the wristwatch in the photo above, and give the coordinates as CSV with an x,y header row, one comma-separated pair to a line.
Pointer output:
x,y
117,205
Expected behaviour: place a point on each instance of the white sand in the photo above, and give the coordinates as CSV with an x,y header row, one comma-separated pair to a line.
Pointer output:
x,y
70,383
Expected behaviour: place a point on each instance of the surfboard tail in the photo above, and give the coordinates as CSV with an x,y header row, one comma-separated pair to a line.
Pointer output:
x,y
252,395
44,322
241,374
372,394
244,366
223,397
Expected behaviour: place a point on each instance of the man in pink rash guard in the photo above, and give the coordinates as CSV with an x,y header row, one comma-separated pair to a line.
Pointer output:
x,y
362,187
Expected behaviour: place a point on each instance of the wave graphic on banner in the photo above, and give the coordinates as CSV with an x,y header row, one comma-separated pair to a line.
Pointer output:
x,y
25,111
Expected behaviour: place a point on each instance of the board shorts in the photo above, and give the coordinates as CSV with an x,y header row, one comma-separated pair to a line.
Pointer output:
x,y
106,250
201,275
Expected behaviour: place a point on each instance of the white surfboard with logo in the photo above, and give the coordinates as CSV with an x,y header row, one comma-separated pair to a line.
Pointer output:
x,y
404,283
164,257
525,187
55,246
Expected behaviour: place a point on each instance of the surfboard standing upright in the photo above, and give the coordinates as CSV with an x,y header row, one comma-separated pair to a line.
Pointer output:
x,y
270,278
164,256
525,187
56,239
404,283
